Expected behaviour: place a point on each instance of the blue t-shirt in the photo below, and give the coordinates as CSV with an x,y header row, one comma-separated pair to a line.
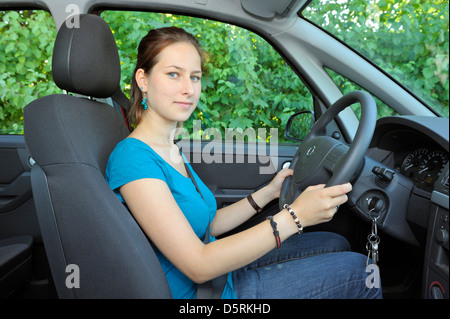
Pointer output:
x,y
131,160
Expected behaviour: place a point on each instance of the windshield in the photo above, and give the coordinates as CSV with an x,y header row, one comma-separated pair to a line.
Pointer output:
x,y
408,39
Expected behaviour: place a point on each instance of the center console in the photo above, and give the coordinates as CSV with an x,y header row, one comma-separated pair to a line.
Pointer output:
x,y
436,272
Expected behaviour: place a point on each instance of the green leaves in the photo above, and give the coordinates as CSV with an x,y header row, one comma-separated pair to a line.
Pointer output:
x,y
248,85
26,38
408,39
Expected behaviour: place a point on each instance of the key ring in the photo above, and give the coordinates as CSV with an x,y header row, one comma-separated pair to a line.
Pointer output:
x,y
373,239
374,215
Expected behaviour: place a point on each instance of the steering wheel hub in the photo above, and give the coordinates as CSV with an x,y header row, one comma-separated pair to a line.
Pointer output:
x,y
313,156
323,159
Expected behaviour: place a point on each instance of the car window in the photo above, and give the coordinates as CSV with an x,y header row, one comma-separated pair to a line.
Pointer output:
x,y
346,86
26,43
248,85
407,39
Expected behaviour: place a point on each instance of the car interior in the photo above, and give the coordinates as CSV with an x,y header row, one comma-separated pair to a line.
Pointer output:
x,y
57,210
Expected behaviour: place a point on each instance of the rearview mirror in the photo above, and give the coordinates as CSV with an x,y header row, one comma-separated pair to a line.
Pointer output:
x,y
299,125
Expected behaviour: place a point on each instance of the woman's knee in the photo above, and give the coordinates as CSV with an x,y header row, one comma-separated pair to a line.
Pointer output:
x,y
319,242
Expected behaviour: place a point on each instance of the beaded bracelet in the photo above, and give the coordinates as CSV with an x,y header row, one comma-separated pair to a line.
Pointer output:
x,y
275,231
299,226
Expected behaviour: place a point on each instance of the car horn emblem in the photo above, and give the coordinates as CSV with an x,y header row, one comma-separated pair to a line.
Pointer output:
x,y
310,151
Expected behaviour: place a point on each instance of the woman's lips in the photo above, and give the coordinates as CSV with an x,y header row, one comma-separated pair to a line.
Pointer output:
x,y
184,105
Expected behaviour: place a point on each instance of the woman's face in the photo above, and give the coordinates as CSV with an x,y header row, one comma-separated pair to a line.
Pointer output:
x,y
173,86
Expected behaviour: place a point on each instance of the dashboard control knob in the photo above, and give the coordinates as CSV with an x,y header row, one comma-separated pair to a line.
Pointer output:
x,y
442,236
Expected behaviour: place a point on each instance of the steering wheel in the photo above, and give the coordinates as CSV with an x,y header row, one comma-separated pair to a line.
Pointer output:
x,y
325,160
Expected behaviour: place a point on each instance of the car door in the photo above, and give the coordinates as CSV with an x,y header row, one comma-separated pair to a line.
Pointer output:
x,y
26,41
238,172
17,213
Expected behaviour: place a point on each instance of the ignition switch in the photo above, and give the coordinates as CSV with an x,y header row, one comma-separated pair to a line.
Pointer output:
x,y
375,204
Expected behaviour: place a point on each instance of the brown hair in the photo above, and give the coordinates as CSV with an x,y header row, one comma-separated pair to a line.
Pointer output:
x,y
149,48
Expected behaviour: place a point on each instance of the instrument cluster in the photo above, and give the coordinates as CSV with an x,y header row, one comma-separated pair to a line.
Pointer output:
x,y
423,166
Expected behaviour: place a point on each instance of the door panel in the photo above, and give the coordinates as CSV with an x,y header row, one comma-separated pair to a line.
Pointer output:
x,y
233,171
15,187
17,212
18,216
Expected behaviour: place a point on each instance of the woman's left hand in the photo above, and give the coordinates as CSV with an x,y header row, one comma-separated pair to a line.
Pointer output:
x,y
274,186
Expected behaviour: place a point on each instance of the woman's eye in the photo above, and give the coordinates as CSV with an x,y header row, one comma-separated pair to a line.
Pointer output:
x,y
195,78
173,75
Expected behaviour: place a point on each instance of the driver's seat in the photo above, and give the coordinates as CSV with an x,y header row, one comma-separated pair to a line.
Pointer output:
x,y
94,246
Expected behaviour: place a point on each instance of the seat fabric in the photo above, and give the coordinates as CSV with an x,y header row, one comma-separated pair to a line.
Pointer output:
x,y
83,223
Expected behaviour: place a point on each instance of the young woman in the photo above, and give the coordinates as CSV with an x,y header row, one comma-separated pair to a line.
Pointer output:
x,y
151,179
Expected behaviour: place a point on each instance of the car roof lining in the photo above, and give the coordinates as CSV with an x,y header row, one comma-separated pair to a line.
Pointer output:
x,y
269,9
259,12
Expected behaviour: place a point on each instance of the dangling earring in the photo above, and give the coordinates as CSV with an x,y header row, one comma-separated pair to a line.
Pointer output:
x,y
144,101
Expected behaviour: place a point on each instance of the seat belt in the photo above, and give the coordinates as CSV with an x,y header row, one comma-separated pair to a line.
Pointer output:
x,y
120,98
122,105
212,289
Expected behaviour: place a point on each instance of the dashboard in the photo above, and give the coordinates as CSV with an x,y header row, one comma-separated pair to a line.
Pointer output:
x,y
417,147
423,166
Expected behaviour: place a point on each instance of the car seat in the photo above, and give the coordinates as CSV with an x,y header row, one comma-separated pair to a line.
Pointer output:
x,y
94,246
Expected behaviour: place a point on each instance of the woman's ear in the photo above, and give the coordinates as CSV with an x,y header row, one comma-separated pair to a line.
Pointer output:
x,y
141,79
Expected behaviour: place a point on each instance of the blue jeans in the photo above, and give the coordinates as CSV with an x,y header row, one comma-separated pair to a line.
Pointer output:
x,y
311,265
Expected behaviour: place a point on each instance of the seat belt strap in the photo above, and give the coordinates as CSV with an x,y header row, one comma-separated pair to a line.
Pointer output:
x,y
211,289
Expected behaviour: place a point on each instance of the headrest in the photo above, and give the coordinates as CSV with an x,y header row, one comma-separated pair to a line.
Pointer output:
x,y
85,57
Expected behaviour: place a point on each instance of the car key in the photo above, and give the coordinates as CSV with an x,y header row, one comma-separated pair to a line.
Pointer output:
x,y
373,239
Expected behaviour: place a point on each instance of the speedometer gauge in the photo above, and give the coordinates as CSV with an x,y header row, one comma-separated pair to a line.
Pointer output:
x,y
434,163
423,166
414,162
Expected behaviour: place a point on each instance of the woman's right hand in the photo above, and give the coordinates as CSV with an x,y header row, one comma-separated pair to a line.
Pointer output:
x,y
318,204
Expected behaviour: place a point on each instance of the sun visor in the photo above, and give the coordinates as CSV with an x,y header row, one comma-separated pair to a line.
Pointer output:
x,y
269,9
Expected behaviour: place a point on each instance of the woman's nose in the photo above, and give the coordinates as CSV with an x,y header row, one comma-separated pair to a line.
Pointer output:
x,y
188,87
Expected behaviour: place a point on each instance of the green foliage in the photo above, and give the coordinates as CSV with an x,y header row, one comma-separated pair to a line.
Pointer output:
x,y
347,86
408,39
248,84
26,40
